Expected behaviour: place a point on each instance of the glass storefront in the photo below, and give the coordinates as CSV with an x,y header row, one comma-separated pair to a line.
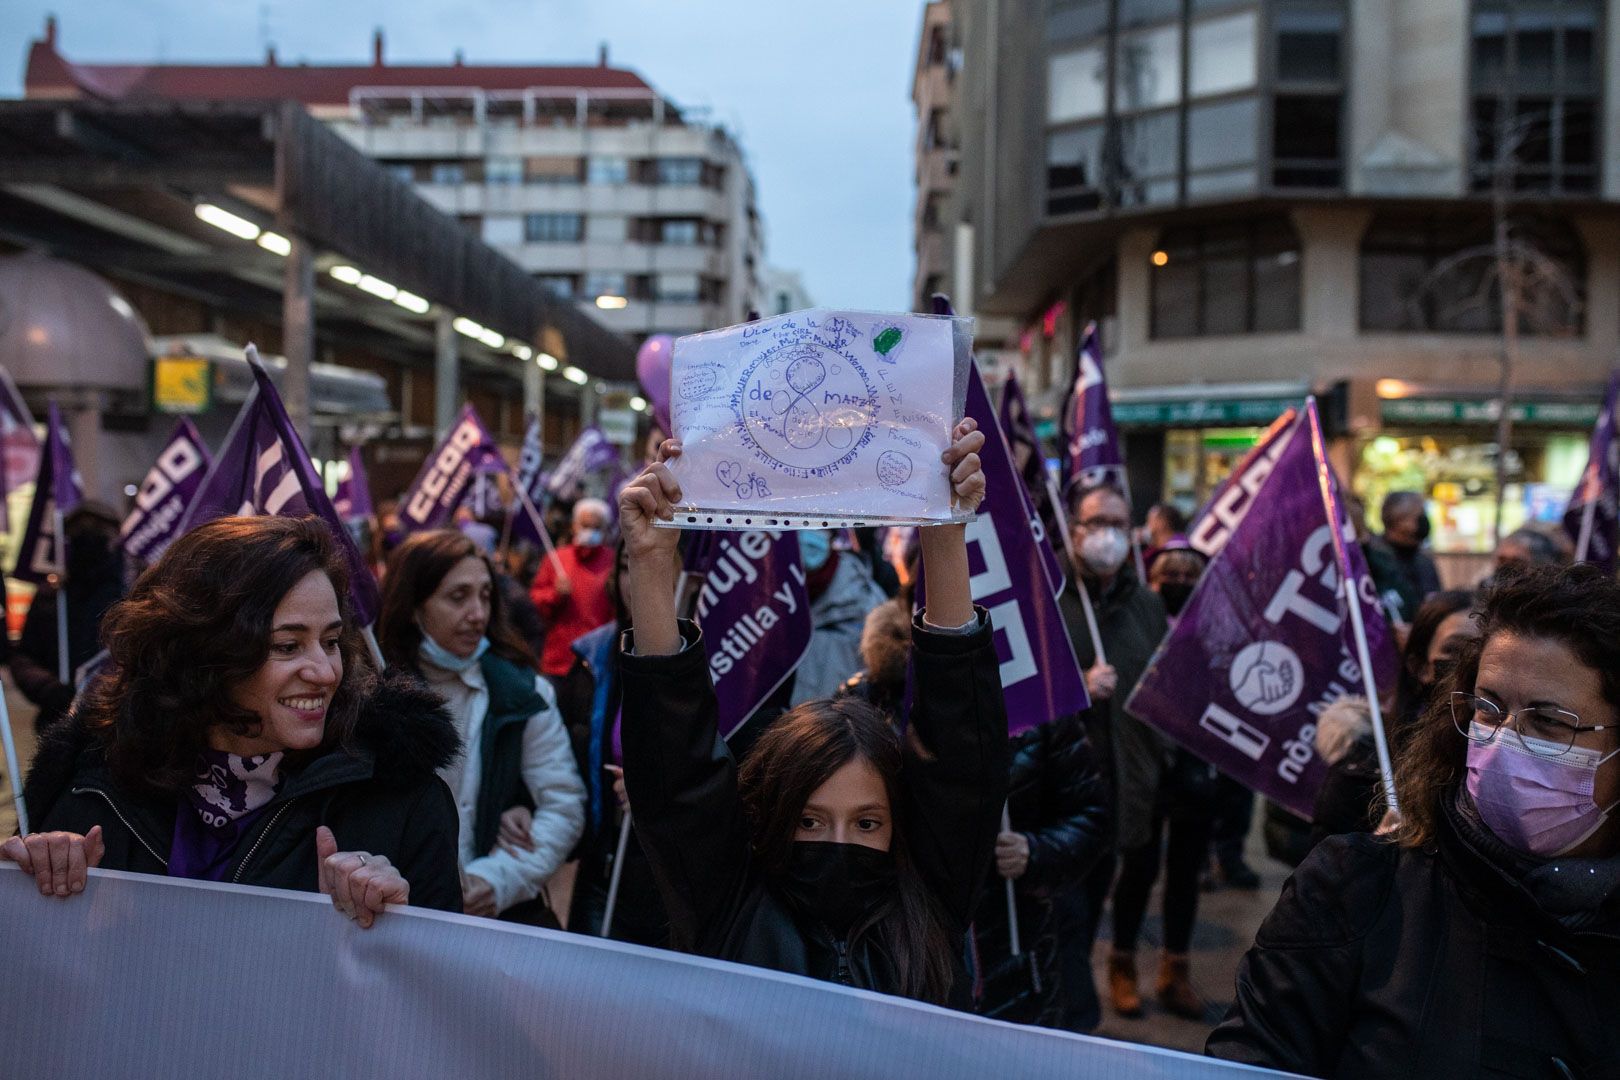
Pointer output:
x,y
1197,459
1456,473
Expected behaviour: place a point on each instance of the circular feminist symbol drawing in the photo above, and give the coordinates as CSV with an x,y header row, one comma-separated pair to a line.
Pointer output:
x,y
805,407
893,468
1266,677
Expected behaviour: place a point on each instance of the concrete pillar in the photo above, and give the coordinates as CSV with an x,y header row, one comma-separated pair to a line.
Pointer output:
x,y
1330,269
1611,113
587,404
1602,239
534,397
446,377
298,332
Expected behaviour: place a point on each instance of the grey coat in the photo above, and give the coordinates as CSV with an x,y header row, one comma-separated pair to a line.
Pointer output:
x,y
837,616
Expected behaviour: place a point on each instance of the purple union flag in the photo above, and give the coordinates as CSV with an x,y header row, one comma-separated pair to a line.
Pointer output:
x,y
1265,643
168,489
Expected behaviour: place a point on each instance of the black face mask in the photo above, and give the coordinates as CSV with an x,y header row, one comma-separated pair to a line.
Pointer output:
x,y
1175,596
840,884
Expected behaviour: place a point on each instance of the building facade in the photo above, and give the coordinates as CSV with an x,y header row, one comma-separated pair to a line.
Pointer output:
x,y
1258,199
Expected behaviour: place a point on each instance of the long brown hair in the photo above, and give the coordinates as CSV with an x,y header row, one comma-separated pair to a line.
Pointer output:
x,y
415,570
793,758
198,622
1578,606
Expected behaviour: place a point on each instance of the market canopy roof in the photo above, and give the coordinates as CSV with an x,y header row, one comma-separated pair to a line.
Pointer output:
x,y
115,185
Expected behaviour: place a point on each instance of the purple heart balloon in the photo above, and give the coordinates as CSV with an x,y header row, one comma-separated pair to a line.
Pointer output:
x,y
653,362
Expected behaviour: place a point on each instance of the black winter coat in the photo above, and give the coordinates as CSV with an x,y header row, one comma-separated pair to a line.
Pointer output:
x,y
33,661
1381,961
383,797
689,819
1058,799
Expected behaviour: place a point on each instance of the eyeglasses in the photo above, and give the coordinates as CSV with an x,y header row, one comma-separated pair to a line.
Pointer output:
x,y
1096,523
1553,730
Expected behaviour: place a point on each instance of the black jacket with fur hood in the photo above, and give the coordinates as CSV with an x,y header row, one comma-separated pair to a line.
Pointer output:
x,y
383,796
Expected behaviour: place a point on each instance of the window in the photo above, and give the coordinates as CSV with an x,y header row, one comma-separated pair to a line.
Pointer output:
x,y
1149,155
1074,170
679,231
551,170
608,170
1069,19
687,172
1308,44
1133,12
1536,85
1222,142
401,171
503,171
679,288
447,172
608,229
1147,69
1307,141
1226,279
1076,85
605,284
1436,273
561,286
553,228
1221,54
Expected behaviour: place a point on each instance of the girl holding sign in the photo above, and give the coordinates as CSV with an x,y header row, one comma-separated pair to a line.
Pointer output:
x,y
840,849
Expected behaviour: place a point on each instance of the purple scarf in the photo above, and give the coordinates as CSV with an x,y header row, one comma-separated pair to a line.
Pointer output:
x,y
230,795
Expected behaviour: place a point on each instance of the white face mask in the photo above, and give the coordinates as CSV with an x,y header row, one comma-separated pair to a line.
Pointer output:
x,y
1104,550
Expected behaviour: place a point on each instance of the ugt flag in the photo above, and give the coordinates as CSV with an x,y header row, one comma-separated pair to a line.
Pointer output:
x,y
168,489
1029,464
57,490
590,453
1091,451
447,474
1040,678
19,446
1234,496
530,458
754,610
353,498
264,470
1266,641
1593,517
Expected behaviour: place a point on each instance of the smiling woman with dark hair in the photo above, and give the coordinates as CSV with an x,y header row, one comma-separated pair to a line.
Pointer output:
x,y
239,735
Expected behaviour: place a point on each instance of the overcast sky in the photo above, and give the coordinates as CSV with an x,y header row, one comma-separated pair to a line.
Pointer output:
x,y
818,93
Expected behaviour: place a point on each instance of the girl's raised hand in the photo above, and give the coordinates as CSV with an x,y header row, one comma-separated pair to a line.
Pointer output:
x,y
967,475
648,498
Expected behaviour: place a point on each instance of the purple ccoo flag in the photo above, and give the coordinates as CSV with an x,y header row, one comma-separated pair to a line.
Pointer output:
x,y
590,453
168,489
1091,442
353,498
1234,495
1267,641
57,490
19,446
530,458
263,469
447,475
754,610
1593,517
1030,464
1040,677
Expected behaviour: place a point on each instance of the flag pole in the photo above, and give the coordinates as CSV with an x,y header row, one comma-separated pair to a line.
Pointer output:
x,y
370,634
13,770
1583,545
1074,566
1364,658
618,872
62,672
1012,903
540,527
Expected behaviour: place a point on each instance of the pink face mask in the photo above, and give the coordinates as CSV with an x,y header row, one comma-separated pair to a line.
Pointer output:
x,y
1540,805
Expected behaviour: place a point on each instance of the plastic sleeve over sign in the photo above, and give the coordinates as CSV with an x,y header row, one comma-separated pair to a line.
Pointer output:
x,y
819,419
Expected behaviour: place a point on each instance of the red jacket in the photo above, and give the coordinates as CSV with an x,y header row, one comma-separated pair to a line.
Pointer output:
x,y
587,605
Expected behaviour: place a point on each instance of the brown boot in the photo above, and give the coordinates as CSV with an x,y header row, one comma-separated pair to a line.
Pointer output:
x,y
1176,993
1122,984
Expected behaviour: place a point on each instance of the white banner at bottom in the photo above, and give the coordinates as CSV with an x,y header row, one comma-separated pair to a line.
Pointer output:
x,y
152,977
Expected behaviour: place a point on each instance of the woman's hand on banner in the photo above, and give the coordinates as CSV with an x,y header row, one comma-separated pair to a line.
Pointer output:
x,y
967,476
477,896
59,861
1101,681
515,836
1012,855
360,884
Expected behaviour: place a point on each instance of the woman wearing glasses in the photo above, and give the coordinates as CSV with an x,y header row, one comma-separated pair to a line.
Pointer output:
x,y
1485,939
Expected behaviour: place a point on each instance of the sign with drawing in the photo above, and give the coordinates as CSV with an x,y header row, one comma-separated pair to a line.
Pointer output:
x,y
819,418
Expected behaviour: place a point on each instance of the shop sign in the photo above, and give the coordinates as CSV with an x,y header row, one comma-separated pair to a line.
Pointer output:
x,y
619,425
182,385
1249,412
1458,411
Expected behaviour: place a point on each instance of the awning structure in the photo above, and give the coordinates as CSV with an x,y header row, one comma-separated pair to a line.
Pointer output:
x,y
334,390
116,187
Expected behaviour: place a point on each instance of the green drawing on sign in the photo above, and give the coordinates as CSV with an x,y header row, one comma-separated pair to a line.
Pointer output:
x,y
886,340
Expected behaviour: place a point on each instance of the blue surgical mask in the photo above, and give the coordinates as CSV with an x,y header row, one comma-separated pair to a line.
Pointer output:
x,y
815,545
441,657
590,538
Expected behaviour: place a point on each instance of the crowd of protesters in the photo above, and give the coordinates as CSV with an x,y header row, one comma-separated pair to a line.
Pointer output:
x,y
533,707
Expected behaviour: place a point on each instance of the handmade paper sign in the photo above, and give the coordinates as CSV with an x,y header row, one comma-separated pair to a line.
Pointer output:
x,y
819,419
